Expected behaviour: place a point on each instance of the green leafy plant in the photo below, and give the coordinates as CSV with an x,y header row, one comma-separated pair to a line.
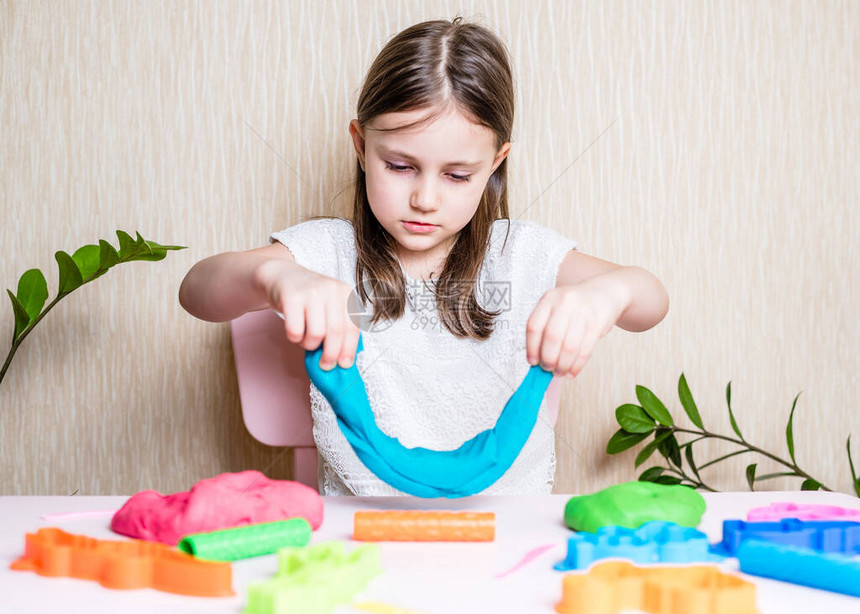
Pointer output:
x,y
650,417
86,264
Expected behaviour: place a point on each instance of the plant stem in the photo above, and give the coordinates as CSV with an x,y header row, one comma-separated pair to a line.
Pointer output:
x,y
683,474
797,470
26,332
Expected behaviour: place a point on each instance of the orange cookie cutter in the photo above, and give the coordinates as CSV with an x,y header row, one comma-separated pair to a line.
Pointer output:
x,y
123,564
424,526
611,587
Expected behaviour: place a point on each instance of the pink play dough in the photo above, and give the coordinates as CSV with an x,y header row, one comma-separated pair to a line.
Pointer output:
x,y
225,501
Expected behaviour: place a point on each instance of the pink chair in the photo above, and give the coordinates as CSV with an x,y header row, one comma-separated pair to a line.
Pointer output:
x,y
274,390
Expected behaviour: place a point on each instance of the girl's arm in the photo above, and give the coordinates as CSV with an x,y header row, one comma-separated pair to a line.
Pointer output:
x,y
591,297
223,287
642,294
314,306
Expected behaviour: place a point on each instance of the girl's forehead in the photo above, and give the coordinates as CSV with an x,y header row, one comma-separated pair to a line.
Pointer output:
x,y
449,129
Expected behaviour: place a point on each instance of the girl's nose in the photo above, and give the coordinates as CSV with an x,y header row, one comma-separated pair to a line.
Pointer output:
x,y
425,196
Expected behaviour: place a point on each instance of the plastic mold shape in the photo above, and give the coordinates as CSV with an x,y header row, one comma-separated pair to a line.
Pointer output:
x,y
653,542
123,564
779,511
823,536
609,588
424,526
248,541
315,579
830,572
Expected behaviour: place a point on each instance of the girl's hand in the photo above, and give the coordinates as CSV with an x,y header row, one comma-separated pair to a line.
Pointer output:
x,y
314,309
569,320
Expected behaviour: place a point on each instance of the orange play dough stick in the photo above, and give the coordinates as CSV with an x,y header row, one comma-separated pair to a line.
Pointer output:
x,y
424,526
123,564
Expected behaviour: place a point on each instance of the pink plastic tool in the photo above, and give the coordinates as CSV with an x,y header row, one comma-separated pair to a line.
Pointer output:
x,y
807,511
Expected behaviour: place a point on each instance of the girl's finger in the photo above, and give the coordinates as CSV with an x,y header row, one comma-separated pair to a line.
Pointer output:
x,y
350,343
534,330
554,334
571,349
294,320
315,318
585,350
335,315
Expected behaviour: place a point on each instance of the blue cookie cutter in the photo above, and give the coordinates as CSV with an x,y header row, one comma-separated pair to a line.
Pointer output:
x,y
840,536
654,542
830,572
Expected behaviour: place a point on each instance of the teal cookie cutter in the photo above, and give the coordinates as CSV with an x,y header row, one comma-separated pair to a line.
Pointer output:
x,y
422,472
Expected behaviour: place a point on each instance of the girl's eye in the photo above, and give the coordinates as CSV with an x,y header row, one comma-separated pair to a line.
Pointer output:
x,y
460,177
396,167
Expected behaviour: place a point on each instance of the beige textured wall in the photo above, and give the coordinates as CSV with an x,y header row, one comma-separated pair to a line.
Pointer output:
x,y
730,170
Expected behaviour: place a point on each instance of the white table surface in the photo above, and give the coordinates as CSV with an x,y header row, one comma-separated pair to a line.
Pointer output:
x,y
426,578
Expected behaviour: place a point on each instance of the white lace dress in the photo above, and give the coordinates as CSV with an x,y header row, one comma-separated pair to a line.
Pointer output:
x,y
427,387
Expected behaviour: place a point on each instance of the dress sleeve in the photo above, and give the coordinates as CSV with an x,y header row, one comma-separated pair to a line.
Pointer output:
x,y
315,244
540,250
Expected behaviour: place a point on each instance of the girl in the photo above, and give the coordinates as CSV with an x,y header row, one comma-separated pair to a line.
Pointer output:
x,y
463,299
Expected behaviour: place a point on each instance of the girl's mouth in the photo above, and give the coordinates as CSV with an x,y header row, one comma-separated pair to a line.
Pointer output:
x,y
419,227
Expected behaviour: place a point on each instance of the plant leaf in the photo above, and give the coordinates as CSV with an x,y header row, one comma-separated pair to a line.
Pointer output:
x,y
633,419
649,475
648,450
32,293
108,256
789,431
688,402
731,414
70,275
653,406
22,319
668,480
87,259
142,244
127,246
669,448
751,475
155,245
854,480
810,484
622,440
152,255
688,453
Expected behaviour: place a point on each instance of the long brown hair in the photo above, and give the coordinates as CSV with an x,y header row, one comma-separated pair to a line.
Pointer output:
x,y
433,65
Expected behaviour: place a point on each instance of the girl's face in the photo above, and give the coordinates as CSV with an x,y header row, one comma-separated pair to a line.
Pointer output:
x,y
424,183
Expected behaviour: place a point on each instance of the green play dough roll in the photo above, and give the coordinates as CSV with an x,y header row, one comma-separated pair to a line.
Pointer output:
x,y
632,504
248,541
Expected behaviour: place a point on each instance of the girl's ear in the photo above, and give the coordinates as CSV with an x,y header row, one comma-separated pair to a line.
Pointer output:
x,y
501,155
357,134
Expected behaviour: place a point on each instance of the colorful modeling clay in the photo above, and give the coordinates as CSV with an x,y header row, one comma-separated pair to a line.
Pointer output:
x,y
422,472
632,504
420,526
653,542
245,542
830,572
824,536
779,511
611,587
225,501
123,564
314,580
